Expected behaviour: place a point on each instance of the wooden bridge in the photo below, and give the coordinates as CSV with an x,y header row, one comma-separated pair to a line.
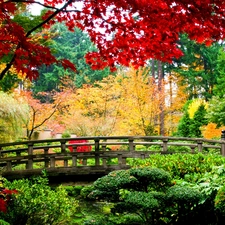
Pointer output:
x,y
52,156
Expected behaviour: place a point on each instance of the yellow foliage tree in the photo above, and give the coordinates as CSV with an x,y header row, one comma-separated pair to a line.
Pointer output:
x,y
175,98
140,101
126,104
194,105
93,110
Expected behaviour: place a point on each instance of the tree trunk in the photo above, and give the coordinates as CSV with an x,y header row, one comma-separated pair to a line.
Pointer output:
x,y
162,103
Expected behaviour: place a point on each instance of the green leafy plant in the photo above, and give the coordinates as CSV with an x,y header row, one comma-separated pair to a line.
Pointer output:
x,y
180,165
38,204
2,222
147,194
220,200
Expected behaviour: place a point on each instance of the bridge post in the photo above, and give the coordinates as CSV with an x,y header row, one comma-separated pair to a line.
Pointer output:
x,y
97,161
120,159
223,143
200,146
131,144
46,158
74,160
164,147
30,153
63,146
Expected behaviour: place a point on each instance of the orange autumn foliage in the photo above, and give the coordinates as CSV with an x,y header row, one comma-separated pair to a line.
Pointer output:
x,y
211,131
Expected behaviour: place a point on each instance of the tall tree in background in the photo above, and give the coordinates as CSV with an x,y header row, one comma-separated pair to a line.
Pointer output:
x,y
219,89
142,101
175,99
193,119
94,109
72,46
198,67
123,31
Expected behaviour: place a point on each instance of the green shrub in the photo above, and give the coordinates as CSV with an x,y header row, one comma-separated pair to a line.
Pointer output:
x,y
37,204
73,190
179,165
66,134
2,222
148,194
220,200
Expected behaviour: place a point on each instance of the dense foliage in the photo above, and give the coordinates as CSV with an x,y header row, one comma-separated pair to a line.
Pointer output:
x,y
72,45
37,203
150,195
123,31
191,127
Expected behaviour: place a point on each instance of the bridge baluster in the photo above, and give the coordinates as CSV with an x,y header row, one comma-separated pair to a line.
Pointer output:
x,y
9,166
65,162
84,162
165,142
192,149
200,146
131,144
97,161
104,161
223,144
74,160
63,146
120,160
103,147
30,153
96,144
52,162
46,157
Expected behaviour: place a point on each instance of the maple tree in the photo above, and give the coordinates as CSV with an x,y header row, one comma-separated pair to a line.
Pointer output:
x,y
123,31
6,196
93,109
40,113
125,104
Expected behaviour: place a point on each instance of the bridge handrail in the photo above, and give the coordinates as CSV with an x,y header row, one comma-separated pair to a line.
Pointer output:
x,y
41,151
104,140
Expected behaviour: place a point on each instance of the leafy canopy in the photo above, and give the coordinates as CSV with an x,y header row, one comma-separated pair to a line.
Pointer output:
x,y
124,31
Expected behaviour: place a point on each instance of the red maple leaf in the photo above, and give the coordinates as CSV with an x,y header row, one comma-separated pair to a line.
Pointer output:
x,y
124,31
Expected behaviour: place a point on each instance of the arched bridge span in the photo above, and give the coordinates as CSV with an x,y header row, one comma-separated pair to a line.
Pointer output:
x,y
52,156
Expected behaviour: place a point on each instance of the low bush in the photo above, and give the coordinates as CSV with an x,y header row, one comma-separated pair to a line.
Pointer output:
x,y
37,204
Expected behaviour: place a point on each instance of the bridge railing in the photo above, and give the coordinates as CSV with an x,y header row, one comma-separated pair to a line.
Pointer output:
x,y
53,153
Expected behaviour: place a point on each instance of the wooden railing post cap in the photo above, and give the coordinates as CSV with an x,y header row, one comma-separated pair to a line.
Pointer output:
x,y
223,134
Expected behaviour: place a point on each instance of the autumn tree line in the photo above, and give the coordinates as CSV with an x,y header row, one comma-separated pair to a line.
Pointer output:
x,y
181,98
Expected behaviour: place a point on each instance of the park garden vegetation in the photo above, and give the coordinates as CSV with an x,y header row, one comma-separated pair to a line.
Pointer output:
x,y
162,189
184,97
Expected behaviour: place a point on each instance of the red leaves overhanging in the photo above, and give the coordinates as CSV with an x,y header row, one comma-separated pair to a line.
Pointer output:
x,y
124,31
